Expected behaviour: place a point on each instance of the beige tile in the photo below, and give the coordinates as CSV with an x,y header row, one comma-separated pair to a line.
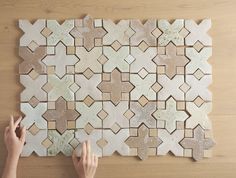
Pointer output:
x,y
60,32
143,32
198,143
198,32
171,32
143,142
88,32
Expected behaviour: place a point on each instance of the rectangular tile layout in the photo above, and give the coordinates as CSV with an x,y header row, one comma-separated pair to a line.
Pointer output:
x,y
139,89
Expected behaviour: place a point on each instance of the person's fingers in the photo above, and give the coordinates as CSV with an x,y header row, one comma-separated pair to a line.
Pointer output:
x,y
89,154
74,158
6,131
84,152
17,122
23,134
91,161
11,124
88,150
96,160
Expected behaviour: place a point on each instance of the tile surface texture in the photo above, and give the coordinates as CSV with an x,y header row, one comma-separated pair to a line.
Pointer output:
x,y
138,88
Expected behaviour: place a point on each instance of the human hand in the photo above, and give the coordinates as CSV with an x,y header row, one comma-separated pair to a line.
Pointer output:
x,y
14,143
87,164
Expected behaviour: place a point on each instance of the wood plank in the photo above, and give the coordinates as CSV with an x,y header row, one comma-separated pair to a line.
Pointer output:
x,y
223,16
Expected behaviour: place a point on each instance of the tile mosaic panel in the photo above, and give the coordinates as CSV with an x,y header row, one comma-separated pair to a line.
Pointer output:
x,y
132,87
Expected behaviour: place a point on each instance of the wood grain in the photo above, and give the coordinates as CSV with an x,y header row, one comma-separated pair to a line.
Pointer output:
x,y
223,15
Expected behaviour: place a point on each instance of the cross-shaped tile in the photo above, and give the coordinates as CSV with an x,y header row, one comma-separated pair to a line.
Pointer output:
x,y
61,115
88,87
93,137
33,143
88,59
89,114
33,88
143,142
32,32
198,88
171,60
198,32
143,86
171,32
60,87
170,115
115,87
116,32
170,87
170,142
116,59
88,32
115,114
198,60
143,114
143,32
198,115
34,115
32,60
60,60
116,142
60,32
60,143
198,143
143,59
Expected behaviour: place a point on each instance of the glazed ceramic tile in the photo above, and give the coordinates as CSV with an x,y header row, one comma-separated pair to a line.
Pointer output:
x,y
115,87
60,115
89,115
171,60
142,142
143,60
88,32
60,60
88,60
198,32
33,115
143,114
93,137
198,60
33,143
136,87
170,87
116,32
115,114
116,142
60,142
170,115
60,32
143,86
88,87
198,143
143,32
33,88
198,88
32,60
198,115
170,142
171,32
116,59
60,87
32,32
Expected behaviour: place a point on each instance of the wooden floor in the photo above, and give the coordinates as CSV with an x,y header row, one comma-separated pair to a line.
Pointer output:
x,y
223,15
